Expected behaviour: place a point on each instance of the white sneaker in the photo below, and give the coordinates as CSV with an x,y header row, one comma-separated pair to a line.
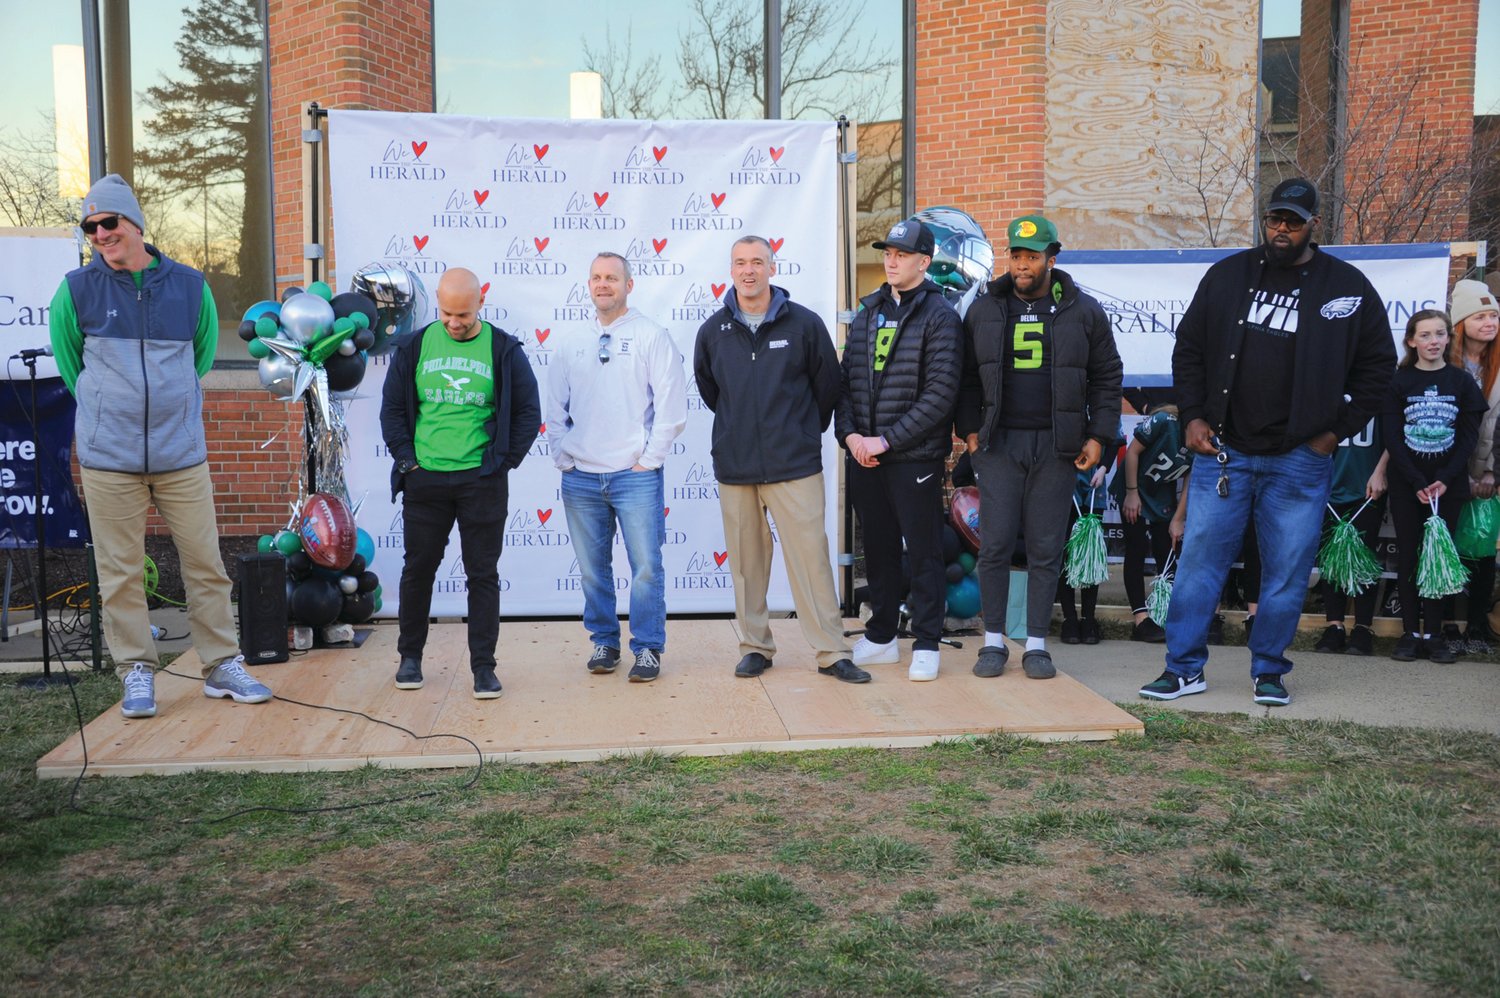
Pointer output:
x,y
924,666
867,652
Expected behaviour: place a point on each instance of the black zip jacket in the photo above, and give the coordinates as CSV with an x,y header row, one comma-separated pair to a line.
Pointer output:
x,y
1086,367
771,392
911,402
512,429
1344,353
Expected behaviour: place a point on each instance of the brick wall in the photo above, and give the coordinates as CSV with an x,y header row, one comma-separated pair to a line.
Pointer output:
x,y
357,54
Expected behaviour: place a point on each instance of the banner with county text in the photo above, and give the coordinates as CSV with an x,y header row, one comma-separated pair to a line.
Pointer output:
x,y
1145,292
526,204
32,265
63,517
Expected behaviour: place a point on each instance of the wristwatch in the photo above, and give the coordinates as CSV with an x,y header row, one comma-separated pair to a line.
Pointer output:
x,y
407,465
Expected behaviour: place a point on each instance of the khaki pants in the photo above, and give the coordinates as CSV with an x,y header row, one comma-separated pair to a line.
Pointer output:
x,y
117,505
798,509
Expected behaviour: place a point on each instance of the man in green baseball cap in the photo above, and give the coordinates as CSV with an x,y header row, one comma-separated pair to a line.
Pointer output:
x,y
1038,401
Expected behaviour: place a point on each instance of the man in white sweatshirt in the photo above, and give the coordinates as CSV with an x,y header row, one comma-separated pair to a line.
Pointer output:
x,y
617,398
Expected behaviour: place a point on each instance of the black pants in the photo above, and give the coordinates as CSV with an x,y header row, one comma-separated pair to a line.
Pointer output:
x,y
1335,601
1140,537
896,501
432,503
1408,514
1088,595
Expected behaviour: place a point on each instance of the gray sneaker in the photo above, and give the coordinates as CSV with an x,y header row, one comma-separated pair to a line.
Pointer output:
x,y
140,692
229,679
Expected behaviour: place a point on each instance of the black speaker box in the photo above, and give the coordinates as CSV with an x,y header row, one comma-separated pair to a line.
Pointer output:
x,y
263,608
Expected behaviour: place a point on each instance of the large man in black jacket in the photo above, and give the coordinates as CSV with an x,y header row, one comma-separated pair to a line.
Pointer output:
x,y
459,410
1283,352
767,369
895,416
1040,398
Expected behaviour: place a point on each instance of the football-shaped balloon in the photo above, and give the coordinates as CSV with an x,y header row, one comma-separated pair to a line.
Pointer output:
x,y
328,531
964,512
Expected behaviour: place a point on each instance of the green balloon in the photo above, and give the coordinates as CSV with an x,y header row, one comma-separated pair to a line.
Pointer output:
x,y
257,348
265,544
378,604
966,562
321,289
267,325
288,543
361,320
345,325
376,593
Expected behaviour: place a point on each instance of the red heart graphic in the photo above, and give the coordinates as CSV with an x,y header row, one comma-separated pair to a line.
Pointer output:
x,y
776,245
658,245
718,289
717,199
540,151
544,515
719,557
541,244
665,510
484,289
421,241
543,431
418,148
658,152
480,197
776,152
599,199
542,334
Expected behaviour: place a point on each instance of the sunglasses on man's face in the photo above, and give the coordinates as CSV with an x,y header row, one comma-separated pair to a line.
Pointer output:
x,y
107,224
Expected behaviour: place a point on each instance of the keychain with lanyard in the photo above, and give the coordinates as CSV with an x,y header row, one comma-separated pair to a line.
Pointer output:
x,y
1223,486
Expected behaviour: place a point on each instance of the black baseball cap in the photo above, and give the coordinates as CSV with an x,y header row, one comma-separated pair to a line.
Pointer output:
x,y
910,236
1297,195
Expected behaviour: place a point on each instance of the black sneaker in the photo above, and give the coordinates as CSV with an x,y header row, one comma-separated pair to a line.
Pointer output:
x,y
1440,651
1169,686
1361,641
1408,648
1454,639
752,665
409,674
991,662
1333,639
1477,641
1216,630
603,660
1089,629
1270,690
1249,626
845,671
486,686
647,666
1071,632
1149,631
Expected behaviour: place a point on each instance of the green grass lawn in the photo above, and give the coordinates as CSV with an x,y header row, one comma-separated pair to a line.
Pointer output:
x,y
1214,855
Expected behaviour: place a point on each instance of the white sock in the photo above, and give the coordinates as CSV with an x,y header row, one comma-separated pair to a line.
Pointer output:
x,y
994,639
1036,644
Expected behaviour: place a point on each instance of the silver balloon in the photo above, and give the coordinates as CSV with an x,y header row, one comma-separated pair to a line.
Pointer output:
x,y
400,299
279,375
348,585
963,261
348,349
306,318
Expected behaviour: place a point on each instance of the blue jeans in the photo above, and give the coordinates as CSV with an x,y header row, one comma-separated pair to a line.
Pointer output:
x,y
634,499
1285,494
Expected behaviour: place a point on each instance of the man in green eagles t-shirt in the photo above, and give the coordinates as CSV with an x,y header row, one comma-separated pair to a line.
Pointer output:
x,y
458,411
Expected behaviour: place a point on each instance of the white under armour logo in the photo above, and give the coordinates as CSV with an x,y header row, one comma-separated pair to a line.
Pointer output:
x,y
726,326
112,313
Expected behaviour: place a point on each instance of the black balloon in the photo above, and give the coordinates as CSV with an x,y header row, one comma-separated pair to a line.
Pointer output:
x,y
317,602
293,290
955,573
344,373
247,330
367,581
350,302
357,566
298,564
291,587
951,543
358,608
364,339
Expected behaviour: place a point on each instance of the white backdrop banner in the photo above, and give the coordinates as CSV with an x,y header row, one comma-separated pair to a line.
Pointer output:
x,y
1145,292
32,265
526,204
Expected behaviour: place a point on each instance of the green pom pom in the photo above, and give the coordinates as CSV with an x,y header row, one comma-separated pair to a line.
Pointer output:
x,y
1159,598
1439,571
258,349
321,289
267,326
1086,561
1344,561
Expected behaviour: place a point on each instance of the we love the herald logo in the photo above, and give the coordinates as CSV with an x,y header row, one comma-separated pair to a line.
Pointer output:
x,y
409,249
699,301
406,159
526,256
533,528
646,165
529,163
648,257
707,211
765,164
705,570
465,208
588,211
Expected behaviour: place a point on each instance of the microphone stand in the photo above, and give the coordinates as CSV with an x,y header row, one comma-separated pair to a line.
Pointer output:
x,y
46,679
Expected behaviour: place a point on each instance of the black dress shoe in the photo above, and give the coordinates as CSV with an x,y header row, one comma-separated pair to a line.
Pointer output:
x,y
409,674
845,671
752,665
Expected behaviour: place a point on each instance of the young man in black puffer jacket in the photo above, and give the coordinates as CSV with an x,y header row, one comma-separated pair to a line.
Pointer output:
x,y
898,388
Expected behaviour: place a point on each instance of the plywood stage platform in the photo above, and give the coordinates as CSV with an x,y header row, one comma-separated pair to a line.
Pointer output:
x,y
554,710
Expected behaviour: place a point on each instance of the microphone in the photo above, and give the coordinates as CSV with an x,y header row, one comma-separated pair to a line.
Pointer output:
x,y
33,353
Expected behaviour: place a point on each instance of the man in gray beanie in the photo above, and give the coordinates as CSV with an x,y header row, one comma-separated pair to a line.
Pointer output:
x,y
133,331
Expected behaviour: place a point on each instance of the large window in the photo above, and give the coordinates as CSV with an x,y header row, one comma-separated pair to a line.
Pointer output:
x,y
693,59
